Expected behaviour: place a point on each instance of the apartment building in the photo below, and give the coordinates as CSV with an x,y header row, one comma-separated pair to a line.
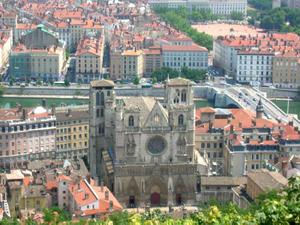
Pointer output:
x,y
236,141
6,41
89,59
217,7
116,66
259,58
73,30
26,134
254,66
152,60
191,56
72,133
21,29
8,18
45,64
286,70
133,63
293,3
41,55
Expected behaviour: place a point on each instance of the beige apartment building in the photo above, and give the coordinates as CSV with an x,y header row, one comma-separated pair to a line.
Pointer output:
x,y
133,63
72,133
152,60
89,59
116,71
286,70
126,64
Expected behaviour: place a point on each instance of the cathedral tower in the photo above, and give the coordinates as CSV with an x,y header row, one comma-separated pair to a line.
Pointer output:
x,y
102,104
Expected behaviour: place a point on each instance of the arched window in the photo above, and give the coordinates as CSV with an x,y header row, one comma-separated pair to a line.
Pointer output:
x,y
131,121
102,99
183,96
180,120
97,98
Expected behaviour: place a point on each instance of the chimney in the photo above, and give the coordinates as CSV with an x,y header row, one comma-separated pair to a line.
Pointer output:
x,y
101,183
210,125
86,196
291,123
68,112
106,195
53,110
24,114
111,205
44,103
229,120
19,108
284,166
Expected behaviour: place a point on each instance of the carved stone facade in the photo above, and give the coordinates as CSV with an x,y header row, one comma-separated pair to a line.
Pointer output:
x,y
151,145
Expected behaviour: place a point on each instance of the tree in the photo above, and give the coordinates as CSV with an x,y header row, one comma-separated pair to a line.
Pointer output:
x,y
67,83
236,16
39,82
136,80
2,89
154,80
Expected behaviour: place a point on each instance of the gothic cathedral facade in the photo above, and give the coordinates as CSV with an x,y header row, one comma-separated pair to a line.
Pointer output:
x,y
142,147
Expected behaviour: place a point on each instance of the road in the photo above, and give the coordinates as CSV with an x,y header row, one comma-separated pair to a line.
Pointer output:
x,y
248,98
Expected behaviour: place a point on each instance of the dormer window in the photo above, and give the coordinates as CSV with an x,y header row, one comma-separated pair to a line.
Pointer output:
x,y
131,121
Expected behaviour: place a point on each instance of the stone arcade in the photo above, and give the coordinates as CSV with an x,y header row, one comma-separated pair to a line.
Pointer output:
x,y
143,148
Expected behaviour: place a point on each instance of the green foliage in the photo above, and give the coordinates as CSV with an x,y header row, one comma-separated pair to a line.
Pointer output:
x,y
237,16
136,80
192,74
39,82
261,4
179,19
154,80
55,215
120,218
281,19
2,90
67,83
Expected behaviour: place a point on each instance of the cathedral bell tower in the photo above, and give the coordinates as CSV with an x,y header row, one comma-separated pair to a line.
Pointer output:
x,y
102,104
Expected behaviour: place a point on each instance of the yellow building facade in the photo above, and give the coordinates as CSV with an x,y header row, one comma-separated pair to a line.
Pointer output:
x,y
72,133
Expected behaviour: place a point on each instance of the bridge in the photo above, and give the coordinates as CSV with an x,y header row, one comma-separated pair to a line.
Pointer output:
x,y
227,96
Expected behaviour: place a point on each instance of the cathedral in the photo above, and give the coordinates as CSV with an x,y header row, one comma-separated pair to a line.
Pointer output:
x,y
143,148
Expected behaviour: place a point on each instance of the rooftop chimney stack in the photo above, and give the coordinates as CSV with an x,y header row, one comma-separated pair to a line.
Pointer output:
x,y
24,116
44,103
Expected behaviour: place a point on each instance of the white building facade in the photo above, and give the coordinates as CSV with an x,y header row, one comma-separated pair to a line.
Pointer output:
x,y
192,56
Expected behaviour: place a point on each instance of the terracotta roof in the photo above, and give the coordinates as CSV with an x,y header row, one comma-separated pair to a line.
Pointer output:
x,y
267,180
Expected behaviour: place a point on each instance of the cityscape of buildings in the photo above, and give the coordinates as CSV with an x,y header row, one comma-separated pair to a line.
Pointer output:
x,y
141,140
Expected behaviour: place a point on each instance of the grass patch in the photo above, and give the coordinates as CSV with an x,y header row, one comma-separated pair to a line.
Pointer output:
x,y
7,102
203,103
294,106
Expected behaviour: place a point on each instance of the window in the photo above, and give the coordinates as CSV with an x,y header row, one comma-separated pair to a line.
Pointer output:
x,y
102,99
180,120
183,96
131,121
98,98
